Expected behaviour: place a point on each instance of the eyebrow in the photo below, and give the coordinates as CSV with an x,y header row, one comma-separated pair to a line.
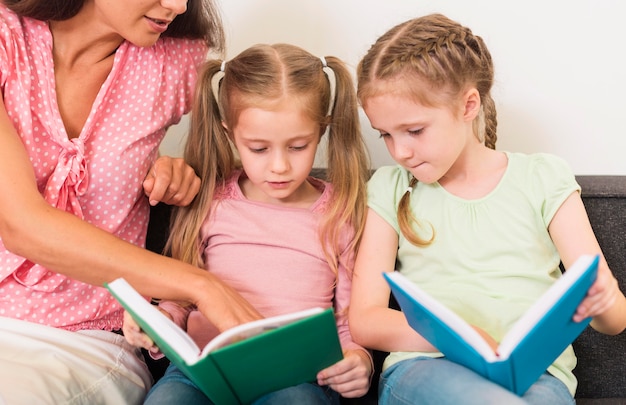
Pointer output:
x,y
295,138
402,126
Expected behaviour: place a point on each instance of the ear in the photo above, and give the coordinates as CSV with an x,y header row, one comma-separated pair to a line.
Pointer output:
x,y
471,104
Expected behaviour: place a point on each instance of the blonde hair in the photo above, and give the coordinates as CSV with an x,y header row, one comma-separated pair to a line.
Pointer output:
x,y
432,60
257,76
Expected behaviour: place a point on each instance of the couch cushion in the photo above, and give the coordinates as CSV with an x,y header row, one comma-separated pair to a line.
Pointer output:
x,y
602,358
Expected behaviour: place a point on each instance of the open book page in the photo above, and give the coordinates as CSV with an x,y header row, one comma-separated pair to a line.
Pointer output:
x,y
153,321
540,308
255,328
440,311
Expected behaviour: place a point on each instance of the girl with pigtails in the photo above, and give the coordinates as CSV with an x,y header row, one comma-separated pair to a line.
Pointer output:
x,y
284,240
482,231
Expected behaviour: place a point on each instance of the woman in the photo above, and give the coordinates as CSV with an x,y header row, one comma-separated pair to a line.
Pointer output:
x,y
88,90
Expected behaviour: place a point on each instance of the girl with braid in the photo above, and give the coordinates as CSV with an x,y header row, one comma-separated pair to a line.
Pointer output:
x,y
284,240
483,231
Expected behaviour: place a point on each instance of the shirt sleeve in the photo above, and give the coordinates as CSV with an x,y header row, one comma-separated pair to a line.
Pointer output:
x,y
552,183
178,312
7,22
196,55
384,191
179,60
188,56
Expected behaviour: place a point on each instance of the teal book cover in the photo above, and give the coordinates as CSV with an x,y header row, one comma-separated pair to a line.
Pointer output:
x,y
526,351
247,361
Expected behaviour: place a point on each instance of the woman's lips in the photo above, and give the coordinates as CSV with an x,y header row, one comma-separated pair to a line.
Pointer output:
x,y
158,25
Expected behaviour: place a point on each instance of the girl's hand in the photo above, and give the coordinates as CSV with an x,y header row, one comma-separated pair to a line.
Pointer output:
x,y
350,377
171,181
490,341
134,335
601,296
573,235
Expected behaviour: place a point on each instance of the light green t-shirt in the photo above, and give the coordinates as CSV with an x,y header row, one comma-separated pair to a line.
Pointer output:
x,y
491,257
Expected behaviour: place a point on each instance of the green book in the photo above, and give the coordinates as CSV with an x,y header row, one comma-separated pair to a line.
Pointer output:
x,y
247,361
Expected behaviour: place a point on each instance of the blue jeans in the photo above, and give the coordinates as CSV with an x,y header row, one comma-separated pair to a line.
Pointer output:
x,y
423,380
175,388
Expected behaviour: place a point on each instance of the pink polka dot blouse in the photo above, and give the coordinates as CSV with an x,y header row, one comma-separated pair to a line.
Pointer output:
x,y
96,176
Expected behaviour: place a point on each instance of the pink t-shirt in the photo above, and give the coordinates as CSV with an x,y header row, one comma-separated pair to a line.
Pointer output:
x,y
273,257
96,176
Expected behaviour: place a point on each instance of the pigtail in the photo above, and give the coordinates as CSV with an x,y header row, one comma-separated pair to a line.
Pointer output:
x,y
491,121
209,151
348,164
406,219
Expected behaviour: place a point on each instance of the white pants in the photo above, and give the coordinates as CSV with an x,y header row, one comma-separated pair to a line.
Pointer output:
x,y
44,365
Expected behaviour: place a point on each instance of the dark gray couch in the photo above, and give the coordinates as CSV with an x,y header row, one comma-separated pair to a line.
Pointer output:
x,y
602,359
601,368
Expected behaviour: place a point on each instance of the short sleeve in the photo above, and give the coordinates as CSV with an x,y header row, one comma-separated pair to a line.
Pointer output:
x,y
384,191
8,21
552,182
195,53
184,58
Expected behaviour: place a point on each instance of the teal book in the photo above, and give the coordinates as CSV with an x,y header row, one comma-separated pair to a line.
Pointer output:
x,y
247,361
528,348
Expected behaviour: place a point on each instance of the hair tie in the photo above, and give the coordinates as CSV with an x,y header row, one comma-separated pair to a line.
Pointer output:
x,y
332,81
215,85
409,189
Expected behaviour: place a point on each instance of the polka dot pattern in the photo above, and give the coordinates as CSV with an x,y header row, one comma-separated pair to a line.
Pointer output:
x,y
96,176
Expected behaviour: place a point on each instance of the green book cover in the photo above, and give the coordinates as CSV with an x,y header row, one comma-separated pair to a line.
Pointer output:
x,y
247,361
526,351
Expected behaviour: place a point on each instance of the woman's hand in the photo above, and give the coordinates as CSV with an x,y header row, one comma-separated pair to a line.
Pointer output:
x,y
171,181
351,376
221,304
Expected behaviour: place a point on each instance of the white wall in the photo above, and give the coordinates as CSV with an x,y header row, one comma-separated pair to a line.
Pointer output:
x,y
560,64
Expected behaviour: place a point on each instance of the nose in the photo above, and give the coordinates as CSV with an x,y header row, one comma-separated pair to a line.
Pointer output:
x,y
401,149
279,162
177,6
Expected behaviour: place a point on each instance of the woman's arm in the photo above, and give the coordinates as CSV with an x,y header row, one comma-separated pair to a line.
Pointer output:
x,y
31,228
573,236
372,323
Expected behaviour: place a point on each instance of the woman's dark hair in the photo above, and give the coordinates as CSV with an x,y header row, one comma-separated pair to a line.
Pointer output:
x,y
202,19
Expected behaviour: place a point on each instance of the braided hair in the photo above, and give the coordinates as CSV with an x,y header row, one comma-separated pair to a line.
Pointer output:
x,y
435,60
